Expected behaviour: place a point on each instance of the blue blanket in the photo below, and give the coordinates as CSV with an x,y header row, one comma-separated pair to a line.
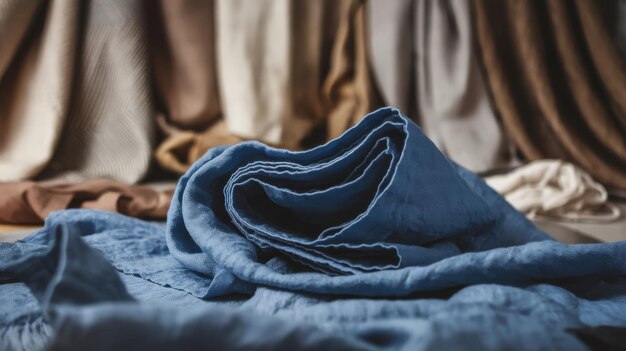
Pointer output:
x,y
374,241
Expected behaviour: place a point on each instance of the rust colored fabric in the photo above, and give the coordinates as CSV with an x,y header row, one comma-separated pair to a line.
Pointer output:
x,y
311,57
558,81
30,202
37,54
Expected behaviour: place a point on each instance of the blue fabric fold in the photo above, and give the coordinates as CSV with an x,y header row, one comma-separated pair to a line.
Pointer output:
x,y
379,197
374,241
377,212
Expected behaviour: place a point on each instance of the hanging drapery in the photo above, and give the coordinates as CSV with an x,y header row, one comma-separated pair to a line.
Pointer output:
x,y
558,82
424,59
75,95
299,79
37,57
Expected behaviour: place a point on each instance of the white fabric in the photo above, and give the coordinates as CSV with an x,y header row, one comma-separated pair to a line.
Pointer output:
x,y
252,60
556,189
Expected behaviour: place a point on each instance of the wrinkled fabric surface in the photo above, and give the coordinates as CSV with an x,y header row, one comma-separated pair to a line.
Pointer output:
x,y
422,255
34,87
31,202
557,189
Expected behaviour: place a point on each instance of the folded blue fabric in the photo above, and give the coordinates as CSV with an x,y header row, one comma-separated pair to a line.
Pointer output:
x,y
378,198
374,241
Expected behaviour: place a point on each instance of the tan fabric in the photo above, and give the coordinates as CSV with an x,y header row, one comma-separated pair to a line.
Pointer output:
x,y
75,100
31,202
291,73
424,62
349,89
185,75
554,188
557,81
109,131
182,148
37,58
183,51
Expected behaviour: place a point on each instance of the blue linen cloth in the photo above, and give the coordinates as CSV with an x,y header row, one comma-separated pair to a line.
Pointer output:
x,y
374,241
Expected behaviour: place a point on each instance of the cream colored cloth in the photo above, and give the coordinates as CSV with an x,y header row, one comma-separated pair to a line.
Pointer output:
x,y
253,65
287,66
290,73
37,57
75,90
554,188
110,130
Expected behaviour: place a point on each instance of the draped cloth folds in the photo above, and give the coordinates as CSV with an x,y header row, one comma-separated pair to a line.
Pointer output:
x,y
453,102
557,81
424,60
302,76
186,83
75,96
184,69
31,202
37,56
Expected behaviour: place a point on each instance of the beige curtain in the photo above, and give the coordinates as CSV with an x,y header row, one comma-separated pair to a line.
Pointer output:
x,y
37,60
75,95
289,73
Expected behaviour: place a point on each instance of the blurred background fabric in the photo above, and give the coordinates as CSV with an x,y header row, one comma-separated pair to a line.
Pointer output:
x,y
123,92
558,81
425,63
76,99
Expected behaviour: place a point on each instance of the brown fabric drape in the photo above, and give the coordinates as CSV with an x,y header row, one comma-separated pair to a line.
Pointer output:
x,y
349,90
31,202
183,44
558,81
178,152
183,39
213,74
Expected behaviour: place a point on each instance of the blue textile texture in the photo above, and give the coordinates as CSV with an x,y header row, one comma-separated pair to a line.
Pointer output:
x,y
373,241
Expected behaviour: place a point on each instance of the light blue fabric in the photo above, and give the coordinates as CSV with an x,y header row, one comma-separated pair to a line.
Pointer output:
x,y
374,241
